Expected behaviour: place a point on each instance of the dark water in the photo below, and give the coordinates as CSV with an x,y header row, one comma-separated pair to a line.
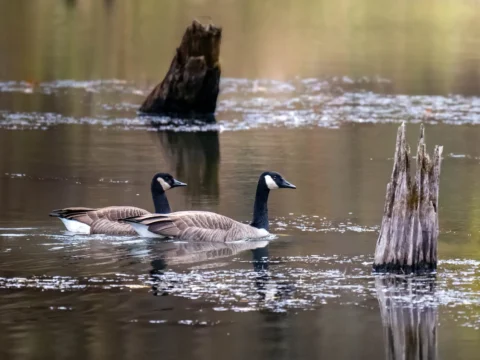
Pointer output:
x,y
312,89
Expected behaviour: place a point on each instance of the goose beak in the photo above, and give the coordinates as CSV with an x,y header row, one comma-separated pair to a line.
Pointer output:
x,y
177,183
285,184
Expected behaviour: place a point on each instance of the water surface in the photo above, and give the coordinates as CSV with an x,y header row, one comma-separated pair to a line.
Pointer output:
x,y
314,90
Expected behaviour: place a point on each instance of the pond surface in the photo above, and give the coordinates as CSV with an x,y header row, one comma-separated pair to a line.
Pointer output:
x,y
312,89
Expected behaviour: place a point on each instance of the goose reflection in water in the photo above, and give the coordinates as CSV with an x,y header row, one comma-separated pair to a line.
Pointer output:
x,y
409,317
268,289
177,253
190,253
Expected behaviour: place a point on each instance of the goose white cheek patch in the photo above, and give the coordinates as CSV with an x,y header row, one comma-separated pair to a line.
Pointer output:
x,y
164,184
272,185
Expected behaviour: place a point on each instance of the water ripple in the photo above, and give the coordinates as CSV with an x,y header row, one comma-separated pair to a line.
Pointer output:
x,y
249,104
316,223
284,283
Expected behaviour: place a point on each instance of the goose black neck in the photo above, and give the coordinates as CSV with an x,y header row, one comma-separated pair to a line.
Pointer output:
x,y
260,208
160,202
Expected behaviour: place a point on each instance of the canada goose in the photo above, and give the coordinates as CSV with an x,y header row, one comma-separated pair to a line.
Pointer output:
x,y
105,220
208,226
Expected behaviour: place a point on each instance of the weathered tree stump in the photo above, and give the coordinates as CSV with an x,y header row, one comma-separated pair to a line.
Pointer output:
x,y
191,86
409,323
408,237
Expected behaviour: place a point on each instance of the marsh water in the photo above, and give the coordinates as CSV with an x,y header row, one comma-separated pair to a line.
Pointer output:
x,y
312,89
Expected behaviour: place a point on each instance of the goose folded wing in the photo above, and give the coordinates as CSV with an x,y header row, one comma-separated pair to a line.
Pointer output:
x,y
70,212
203,220
105,226
116,213
89,216
198,226
165,227
143,219
80,214
156,223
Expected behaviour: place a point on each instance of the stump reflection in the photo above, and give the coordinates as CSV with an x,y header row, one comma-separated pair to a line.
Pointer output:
x,y
409,317
268,292
194,157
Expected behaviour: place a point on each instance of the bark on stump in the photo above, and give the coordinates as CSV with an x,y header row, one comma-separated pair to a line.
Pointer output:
x,y
408,237
191,86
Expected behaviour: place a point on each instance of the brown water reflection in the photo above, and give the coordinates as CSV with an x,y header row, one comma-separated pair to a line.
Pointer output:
x,y
310,292
195,157
424,47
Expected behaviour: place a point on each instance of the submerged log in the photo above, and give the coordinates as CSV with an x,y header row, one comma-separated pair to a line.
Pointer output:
x,y
408,237
191,86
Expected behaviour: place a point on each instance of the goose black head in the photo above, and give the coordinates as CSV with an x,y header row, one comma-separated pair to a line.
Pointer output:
x,y
274,180
163,182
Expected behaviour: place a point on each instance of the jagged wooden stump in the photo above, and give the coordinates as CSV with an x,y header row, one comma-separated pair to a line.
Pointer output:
x,y
408,237
191,86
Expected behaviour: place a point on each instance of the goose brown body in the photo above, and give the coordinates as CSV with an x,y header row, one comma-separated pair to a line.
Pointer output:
x,y
103,220
198,226
106,220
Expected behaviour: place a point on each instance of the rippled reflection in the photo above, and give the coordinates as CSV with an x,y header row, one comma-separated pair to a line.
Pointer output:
x,y
310,89
270,291
424,47
243,104
269,288
174,253
195,158
410,324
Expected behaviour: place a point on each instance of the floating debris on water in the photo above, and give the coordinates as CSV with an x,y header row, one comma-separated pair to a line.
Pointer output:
x,y
245,280
250,104
315,223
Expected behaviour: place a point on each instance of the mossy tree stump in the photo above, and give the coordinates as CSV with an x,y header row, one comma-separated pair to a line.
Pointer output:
x,y
408,237
191,86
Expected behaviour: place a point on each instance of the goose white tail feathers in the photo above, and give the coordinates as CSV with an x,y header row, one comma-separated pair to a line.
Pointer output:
x,y
143,231
74,219
76,226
